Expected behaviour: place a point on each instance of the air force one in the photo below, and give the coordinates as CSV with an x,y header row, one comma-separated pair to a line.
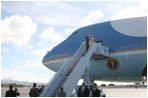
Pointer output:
x,y
127,43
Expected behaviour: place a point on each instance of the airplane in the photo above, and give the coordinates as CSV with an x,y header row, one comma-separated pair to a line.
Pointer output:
x,y
127,42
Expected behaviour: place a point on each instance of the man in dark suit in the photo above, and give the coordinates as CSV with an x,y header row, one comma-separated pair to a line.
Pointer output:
x,y
87,42
11,92
95,91
83,91
34,91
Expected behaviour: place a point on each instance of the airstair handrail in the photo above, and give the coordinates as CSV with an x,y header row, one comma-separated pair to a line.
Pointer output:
x,y
56,73
75,58
63,71
78,70
72,70
53,83
50,79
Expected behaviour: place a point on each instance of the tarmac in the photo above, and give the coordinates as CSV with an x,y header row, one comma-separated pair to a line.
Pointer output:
x,y
109,91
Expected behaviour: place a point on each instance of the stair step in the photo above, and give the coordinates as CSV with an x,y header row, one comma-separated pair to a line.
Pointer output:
x,y
73,71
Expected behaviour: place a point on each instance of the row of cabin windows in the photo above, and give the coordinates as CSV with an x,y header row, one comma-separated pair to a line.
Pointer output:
x,y
132,45
57,55
121,46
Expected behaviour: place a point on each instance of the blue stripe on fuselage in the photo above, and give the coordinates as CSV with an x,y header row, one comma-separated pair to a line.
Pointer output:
x,y
101,31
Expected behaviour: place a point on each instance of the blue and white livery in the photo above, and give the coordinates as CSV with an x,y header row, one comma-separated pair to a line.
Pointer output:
x,y
127,42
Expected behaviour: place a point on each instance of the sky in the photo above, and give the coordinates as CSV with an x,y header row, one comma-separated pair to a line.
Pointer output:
x,y
31,28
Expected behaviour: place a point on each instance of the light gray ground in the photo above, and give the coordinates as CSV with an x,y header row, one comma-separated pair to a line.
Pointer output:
x,y
109,91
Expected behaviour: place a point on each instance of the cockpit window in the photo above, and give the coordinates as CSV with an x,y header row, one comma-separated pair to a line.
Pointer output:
x,y
74,33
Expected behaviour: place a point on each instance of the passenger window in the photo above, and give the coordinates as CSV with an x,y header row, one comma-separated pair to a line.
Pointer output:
x,y
131,44
121,46
137,43
126,45
142,43
56,55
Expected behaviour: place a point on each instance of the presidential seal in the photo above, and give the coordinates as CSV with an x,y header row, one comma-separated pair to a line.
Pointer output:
x,y
112,64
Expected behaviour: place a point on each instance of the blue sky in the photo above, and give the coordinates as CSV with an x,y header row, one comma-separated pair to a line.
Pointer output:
x,y
30,29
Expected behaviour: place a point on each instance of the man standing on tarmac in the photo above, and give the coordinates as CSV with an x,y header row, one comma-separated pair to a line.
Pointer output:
x,y
61,93
11,92
83,91
95,91
34,91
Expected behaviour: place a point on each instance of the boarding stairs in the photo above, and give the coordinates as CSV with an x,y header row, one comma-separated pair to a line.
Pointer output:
x,y
72,70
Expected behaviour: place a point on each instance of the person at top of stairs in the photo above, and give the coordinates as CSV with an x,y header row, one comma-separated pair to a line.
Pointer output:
x,y
87,42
